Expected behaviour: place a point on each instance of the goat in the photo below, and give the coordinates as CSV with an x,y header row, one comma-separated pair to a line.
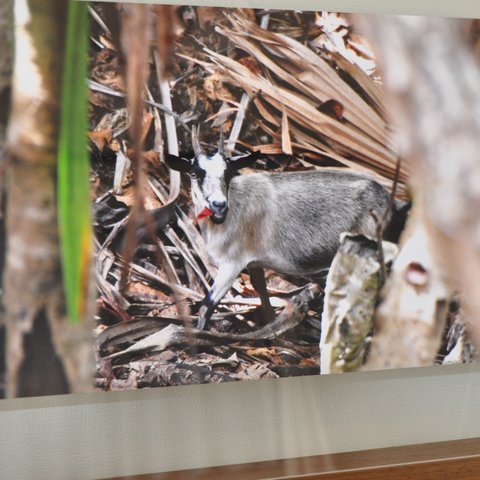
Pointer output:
x,y
288,222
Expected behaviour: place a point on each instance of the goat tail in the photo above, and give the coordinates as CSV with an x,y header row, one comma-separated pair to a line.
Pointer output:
x,y
398,220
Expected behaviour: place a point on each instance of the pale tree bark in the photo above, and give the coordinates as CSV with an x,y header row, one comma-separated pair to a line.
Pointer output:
x,y
6,44
433,81
410,321
44,354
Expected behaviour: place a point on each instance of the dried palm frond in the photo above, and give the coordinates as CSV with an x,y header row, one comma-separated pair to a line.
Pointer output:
x,y
289,89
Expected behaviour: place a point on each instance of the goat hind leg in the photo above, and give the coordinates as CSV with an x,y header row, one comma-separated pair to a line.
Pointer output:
x,y
257,276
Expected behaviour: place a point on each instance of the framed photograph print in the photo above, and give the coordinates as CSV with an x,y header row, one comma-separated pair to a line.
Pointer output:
x,y
201,194
275,193
268,148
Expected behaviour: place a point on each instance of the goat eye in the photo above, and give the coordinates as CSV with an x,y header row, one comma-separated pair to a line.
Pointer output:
x,y
197,174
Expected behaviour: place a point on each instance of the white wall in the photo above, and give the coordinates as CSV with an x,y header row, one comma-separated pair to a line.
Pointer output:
x,y
102,435
107,434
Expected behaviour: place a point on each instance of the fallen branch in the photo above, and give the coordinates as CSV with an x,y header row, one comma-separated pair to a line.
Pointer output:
x,y
171,335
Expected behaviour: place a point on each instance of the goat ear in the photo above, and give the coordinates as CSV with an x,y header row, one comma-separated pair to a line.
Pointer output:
x,y
246,161
178,163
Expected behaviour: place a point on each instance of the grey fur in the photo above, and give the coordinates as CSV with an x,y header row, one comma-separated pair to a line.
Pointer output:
x,y
291,222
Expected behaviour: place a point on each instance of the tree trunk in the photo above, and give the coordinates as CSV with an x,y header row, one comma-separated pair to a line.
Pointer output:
x,y
433,80
6,42
45,355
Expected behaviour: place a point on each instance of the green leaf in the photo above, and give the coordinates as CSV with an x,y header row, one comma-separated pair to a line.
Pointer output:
x,y
73,165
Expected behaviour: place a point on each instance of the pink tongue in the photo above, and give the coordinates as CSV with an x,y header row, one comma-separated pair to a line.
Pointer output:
x,y
204,214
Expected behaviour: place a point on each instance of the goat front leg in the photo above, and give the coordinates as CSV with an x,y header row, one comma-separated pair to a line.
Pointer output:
x,y
227,273
257,276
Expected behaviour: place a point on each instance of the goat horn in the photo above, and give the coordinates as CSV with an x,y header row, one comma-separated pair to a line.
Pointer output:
x,y
221,143
197,148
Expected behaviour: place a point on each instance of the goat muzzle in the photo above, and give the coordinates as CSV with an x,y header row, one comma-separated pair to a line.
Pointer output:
x,y
219,210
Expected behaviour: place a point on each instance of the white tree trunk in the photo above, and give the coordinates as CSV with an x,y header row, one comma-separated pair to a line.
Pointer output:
x,y
433,81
